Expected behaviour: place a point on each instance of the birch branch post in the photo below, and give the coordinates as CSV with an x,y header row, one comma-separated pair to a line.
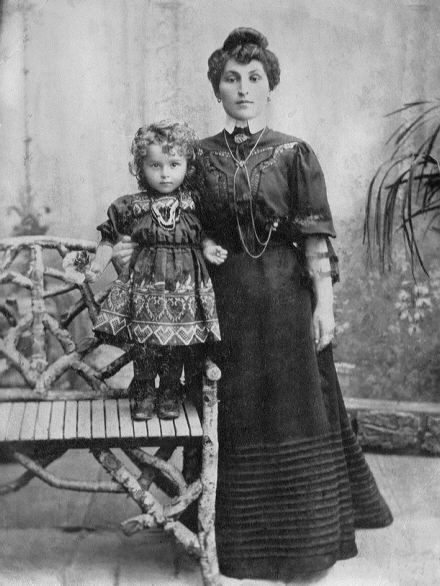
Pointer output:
x,y
208,477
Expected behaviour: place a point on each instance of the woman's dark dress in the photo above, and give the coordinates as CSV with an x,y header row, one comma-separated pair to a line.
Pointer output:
x,y
293,482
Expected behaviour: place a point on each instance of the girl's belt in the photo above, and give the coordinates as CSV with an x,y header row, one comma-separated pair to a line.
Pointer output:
x,y
175,245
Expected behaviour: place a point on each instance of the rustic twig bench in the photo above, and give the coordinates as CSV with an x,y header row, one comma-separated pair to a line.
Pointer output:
x,y
42,416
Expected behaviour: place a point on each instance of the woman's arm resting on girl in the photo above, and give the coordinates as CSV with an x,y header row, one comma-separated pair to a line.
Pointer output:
x,y
122,252
103,256
318,265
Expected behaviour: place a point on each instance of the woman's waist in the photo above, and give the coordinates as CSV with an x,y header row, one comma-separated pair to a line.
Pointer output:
x,y
243,242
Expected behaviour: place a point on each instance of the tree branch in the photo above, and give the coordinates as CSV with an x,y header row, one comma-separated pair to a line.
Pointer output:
x,y
16,279
9,314
67,484
79,306
149,474
55,273
61,334
27,476
170,472
47,242
208,477
73,360
182,502
115,366
10,254
181,533
16,358
39,355
89,301
59,291
153,513
122,476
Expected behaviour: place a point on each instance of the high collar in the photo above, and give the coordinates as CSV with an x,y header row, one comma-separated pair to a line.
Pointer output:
x,y
255,125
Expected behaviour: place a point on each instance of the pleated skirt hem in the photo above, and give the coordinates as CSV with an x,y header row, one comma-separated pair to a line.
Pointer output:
x,y
291,508
283,568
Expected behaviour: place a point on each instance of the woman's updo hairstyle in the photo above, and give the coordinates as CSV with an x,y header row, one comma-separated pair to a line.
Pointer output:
x,y
244,44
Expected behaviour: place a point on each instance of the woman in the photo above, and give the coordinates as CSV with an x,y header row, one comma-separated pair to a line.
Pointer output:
x,y
293,482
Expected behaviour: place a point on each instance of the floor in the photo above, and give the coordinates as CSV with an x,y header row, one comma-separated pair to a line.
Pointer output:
x,y
50,537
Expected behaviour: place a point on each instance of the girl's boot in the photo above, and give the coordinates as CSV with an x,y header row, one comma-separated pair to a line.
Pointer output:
x,y
143,394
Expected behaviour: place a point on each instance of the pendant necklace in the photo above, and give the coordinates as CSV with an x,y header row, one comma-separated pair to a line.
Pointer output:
x,y
241,164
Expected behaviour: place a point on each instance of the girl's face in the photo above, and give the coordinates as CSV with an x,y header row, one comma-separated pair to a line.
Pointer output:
x,y
244,89
164,172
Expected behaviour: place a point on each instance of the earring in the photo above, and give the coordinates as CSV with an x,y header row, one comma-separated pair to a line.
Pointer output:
x,y
269,98
219,100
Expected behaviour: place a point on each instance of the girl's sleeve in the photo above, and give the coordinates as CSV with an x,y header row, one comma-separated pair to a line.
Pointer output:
x,y
310,211
111,228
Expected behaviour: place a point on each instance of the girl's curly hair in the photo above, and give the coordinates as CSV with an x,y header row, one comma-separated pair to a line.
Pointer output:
x,y
172,136
244,44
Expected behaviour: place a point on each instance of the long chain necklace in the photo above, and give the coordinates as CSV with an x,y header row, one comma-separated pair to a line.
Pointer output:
x,y
241,164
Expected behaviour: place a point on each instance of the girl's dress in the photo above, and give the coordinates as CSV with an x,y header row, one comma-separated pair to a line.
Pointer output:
x,y
293,482
165,296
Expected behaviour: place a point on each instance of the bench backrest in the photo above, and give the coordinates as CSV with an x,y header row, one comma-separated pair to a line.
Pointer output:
x,y
42,293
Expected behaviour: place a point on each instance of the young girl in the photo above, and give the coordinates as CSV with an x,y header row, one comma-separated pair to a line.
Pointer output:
x,y
163,301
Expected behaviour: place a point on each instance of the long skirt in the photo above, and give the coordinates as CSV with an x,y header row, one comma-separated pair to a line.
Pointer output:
x,y
293,482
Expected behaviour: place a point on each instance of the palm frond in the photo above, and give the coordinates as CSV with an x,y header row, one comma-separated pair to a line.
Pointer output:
x,y
406,186
381,221
407,106
405,135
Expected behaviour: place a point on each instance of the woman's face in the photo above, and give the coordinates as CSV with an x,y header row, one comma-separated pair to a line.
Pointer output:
x,y
244,89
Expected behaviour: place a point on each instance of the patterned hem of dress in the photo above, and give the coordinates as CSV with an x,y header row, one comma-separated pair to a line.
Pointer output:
x,y
159,334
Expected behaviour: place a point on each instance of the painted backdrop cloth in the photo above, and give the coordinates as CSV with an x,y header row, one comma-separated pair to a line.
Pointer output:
x,y
165,296
293,482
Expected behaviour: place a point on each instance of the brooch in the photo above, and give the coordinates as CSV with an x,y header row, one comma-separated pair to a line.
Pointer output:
x,y
240,138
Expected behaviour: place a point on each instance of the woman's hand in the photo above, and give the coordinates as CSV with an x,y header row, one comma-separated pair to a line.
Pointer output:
x,y
104,252
214,253
318,264
92,274
323,325
122,252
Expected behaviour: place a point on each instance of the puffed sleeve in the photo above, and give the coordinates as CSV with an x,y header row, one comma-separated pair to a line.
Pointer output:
x,y
111,229
310,211
203,209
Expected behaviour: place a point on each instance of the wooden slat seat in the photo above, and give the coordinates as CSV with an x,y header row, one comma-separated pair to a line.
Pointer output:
x,y
99,420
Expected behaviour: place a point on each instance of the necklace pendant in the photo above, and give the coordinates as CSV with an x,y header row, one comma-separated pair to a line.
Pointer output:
x,y
240,163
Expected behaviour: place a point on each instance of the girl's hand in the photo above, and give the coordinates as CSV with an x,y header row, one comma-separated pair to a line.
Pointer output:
x,y
323,325
122,252
214,253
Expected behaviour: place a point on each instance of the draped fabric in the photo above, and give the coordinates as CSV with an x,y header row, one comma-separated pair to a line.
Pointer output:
x,y
293,482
